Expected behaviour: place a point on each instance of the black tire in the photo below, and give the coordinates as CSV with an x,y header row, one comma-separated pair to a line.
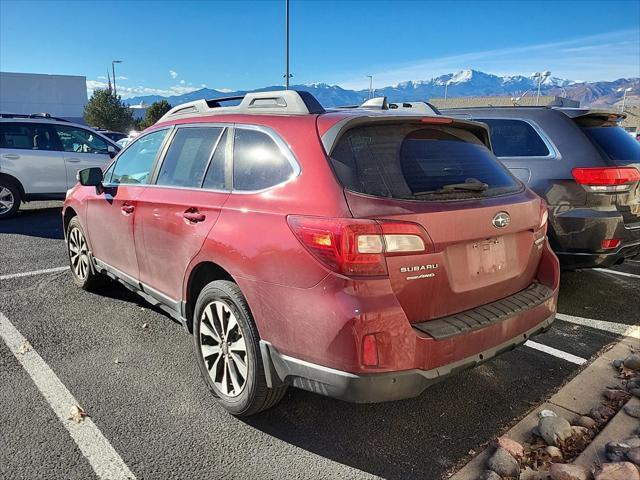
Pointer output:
x,y
254,395
85,276
11,194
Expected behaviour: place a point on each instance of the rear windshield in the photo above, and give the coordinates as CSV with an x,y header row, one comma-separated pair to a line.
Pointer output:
x,y
617,144
415,162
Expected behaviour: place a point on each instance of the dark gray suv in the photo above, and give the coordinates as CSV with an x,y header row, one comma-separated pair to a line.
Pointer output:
x,y
584,165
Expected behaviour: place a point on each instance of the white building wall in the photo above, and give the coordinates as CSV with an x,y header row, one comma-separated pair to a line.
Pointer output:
x,y
59,95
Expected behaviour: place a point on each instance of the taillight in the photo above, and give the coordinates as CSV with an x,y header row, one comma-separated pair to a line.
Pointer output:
x,y
607,179
609,243
369,350
357,247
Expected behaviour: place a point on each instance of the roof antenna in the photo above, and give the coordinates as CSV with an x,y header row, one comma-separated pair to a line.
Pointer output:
x,y
287,75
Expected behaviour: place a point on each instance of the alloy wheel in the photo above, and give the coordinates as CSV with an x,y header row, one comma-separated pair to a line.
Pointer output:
x,y
223,348
78,253
6,200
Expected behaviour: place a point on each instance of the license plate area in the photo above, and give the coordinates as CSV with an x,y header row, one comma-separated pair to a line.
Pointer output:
x,y
486,257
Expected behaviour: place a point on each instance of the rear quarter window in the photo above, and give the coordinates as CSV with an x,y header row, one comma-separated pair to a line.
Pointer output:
x,y
410,162
615,143
515,138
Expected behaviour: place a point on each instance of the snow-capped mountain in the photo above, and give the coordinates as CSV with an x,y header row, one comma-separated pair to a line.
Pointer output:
x,y
464,83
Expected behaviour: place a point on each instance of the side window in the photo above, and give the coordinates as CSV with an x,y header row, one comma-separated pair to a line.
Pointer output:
x,y
258,162
215,178
515,138
79,140
134,164
26,136
188,156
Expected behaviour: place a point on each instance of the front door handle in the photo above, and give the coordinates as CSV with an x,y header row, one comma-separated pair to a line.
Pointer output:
x,y
73,160
127,209
11,156
194,216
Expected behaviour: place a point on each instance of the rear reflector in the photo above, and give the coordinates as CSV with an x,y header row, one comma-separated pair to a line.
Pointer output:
x,y
369,350
609,243
357,247
610,176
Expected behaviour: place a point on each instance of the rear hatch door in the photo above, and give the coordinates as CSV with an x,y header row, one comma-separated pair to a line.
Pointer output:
x,y
482,226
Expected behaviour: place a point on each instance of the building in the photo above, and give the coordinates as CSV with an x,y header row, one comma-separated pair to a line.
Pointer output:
x,y
61,96
632,122
466,102
139,110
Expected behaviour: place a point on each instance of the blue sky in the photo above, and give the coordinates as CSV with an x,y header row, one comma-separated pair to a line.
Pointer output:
x,y
171,47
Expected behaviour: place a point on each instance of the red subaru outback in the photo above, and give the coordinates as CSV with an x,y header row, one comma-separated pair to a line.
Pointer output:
x,y
358,254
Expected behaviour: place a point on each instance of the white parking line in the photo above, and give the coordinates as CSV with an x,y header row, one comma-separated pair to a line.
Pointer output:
x,y
35,272
615,272
105,461
556,353
617,328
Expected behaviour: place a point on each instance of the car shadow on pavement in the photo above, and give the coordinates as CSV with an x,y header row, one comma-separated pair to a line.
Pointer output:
x,y
422,437
42,222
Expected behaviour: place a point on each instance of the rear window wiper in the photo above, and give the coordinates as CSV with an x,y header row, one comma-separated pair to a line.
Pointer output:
x,y
469,185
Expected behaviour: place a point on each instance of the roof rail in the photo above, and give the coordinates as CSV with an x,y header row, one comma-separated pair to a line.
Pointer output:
x,y
280,102
381,103
32,115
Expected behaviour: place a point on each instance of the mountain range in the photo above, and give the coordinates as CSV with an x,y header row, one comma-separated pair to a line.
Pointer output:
x,y
465,83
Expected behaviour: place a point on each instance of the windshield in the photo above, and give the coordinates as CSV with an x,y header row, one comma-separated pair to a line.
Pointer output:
x,y
617,144
415,162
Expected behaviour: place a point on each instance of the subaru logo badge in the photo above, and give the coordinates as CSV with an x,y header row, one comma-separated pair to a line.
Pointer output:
x,y
501,220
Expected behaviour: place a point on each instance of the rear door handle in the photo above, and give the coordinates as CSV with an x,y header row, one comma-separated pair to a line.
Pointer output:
x,y
11,156
128,209
73,160
194,216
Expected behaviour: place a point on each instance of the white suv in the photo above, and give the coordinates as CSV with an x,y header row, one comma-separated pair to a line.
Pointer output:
x,y
40,155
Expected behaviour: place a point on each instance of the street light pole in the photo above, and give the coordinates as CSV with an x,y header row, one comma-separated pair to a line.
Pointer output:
x,y
624,95
286,44
540,77
446,86
370,77
113,70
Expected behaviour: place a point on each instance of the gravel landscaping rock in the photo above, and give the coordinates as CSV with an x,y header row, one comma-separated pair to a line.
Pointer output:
x,y
632,410
633,442
618,471
562,471
602,413
587,422
546,413
616,395
490,475
502,463
617,363
554,430
635,392
514,448
616,451
633,455
632,361
555,454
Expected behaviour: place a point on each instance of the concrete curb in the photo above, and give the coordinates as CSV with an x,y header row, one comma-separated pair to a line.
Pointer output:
x,y
574,399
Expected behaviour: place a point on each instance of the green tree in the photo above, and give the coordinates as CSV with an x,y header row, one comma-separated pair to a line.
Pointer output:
x,y
154,113
106,110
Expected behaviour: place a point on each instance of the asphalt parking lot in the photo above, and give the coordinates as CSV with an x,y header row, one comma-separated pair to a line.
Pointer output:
x,y
131,368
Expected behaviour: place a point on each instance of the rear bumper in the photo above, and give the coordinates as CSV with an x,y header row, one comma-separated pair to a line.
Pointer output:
x,y
574,260
375,387
577,236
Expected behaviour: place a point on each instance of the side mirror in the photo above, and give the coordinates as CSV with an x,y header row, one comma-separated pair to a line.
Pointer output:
x,y
112,150
90,177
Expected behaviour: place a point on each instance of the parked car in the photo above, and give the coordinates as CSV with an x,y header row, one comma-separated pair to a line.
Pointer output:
x,y
40,155
586,168
112,135
357,254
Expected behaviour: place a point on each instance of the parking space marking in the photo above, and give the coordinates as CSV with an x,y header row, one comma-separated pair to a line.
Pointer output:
x,y
615,272
35,272
556,353
612,327
105,461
